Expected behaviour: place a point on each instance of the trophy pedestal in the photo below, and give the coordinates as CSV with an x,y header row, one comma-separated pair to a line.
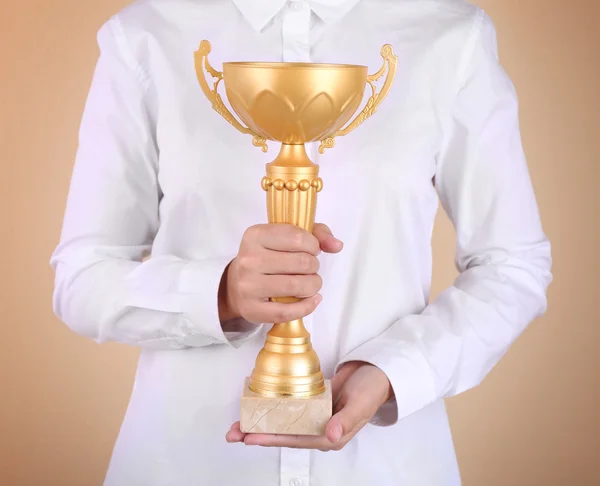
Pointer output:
x,y
285,415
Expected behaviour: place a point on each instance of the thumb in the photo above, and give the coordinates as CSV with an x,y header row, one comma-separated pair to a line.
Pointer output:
x,y
345,421
328,242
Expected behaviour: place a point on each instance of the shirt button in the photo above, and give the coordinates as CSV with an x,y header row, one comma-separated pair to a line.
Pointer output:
x,y
296,6
295,482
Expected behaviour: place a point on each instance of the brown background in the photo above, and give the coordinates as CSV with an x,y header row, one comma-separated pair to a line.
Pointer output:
x,y
534,421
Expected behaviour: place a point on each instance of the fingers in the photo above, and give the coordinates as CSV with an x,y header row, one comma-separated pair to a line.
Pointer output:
x,y
257,311
282,237
327,242
235,434
291,441
286,263
288,237
287,285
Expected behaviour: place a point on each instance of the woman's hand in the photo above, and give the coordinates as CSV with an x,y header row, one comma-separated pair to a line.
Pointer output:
x,y
275,260
359,389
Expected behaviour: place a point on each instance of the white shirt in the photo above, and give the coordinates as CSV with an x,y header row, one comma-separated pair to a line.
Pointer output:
x,y
158,171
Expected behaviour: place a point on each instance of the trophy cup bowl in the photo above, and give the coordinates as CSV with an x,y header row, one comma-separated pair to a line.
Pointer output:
x,y
292,103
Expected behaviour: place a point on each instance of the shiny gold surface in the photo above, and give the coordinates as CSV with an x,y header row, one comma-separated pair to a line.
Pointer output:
x,y
214,97
288,364
293,103
390,62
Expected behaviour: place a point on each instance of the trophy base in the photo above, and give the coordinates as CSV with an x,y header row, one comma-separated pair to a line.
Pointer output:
x,y
285,415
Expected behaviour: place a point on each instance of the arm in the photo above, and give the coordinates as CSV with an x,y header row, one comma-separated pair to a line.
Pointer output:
x,y
104,289
502,253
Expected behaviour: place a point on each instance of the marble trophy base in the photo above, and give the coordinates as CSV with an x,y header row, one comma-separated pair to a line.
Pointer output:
x,y
285,415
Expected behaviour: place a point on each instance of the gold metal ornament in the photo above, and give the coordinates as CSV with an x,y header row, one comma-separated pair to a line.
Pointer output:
x,y
292,103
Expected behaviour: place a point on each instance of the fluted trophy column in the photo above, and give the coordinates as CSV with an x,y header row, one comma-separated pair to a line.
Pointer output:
x,y
288,365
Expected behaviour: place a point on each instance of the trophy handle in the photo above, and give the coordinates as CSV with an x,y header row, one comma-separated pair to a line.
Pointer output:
x,y
202,64
390,61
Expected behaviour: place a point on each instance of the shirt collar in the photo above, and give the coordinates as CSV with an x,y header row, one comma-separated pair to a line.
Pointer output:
x,y
260,12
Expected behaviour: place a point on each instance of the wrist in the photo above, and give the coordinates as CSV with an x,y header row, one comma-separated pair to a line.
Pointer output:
x,y
385,383
227,308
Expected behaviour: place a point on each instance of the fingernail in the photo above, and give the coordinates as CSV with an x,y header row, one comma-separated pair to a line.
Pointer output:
x,y
337,432
318,299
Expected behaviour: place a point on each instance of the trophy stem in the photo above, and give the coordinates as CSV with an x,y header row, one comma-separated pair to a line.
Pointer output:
x,y
288,365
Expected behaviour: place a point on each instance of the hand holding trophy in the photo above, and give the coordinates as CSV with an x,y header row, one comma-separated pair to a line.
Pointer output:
x,y
292,103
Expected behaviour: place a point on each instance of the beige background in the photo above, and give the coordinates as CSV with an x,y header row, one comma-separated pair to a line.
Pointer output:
x,y
534,421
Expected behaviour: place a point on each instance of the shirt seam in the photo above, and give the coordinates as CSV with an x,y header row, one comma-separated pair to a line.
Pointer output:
x,y
116,27
176,339
469,50
465,59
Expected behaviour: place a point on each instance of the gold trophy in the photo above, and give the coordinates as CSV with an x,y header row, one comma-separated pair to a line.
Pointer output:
x,y
292,103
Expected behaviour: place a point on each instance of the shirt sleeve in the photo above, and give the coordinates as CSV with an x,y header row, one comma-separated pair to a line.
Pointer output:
x,y
105,288
502,254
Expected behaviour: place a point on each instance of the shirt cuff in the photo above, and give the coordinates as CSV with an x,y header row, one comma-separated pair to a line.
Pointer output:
x,y
409,374
199,287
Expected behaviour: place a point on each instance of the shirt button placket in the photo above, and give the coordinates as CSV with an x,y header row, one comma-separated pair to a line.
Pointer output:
x,y
295,467
296,48
295,32
296,6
